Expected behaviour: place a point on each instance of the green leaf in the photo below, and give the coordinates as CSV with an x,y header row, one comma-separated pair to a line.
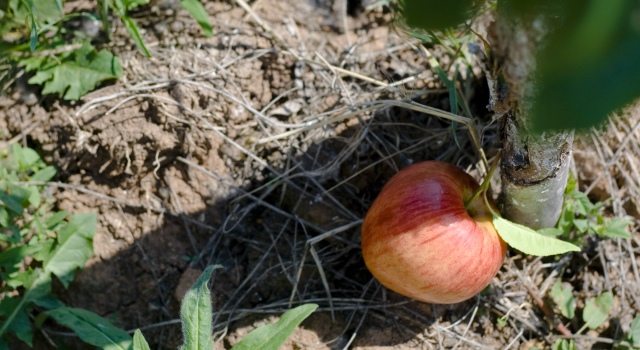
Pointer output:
x,y
199,13
551,232
15,318
195,313
529,241
80,73
48,301
437,14
73,249
12,257
634,332
26,157
11,202
271,336
587,69
564,344
596,311
583,205
581,224
128,5
92,329
4,217
44,174
139,343
33,37
616,228
133,30
14,311
563,297
56,218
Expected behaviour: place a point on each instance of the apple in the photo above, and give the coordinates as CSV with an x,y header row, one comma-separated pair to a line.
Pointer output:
x,y
419,240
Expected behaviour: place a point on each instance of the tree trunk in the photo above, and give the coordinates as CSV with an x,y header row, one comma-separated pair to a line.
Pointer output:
x,y
534,168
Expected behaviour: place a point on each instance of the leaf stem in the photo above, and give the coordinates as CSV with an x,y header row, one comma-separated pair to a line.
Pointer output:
x,y
486,182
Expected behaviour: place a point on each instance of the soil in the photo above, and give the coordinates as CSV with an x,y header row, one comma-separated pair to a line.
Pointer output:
x,y
260,149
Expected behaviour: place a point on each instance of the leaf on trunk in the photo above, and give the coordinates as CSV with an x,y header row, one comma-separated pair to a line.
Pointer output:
x,y
529,241
271,336
92,329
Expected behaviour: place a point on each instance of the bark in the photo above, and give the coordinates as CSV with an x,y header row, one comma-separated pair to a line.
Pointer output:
x,y
534,168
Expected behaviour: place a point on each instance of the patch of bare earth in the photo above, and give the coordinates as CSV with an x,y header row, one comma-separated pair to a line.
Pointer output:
x,y
260,149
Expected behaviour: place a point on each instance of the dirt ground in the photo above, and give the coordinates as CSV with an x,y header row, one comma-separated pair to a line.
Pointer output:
x,y
261,148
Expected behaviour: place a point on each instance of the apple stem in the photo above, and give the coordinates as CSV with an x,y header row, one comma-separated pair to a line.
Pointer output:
x,y
486,182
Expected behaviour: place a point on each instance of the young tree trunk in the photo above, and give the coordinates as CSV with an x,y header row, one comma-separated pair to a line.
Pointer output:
x,y
534,168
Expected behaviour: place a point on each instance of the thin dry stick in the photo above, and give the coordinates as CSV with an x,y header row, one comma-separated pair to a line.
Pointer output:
x,y
372,106
180,212
473,316
549,315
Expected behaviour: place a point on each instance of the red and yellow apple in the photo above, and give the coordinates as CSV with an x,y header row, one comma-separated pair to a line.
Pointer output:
x,y
419,240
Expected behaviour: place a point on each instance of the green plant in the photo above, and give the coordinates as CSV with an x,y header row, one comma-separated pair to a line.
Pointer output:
x,y
196,316
580,217
64,60
36,245
589,43
595,313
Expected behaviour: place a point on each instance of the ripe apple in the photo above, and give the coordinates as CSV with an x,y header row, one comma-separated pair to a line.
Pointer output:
x,y
419,240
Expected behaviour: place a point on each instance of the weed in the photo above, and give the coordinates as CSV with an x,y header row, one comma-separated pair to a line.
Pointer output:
x,y
37,245
580,217
64,60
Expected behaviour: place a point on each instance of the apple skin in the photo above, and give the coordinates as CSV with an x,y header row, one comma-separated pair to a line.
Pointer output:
x,y
420,241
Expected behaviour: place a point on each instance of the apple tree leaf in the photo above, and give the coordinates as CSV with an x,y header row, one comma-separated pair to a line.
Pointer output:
x,y
596,311
529,241
433,15
91,328
271,336
586,69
